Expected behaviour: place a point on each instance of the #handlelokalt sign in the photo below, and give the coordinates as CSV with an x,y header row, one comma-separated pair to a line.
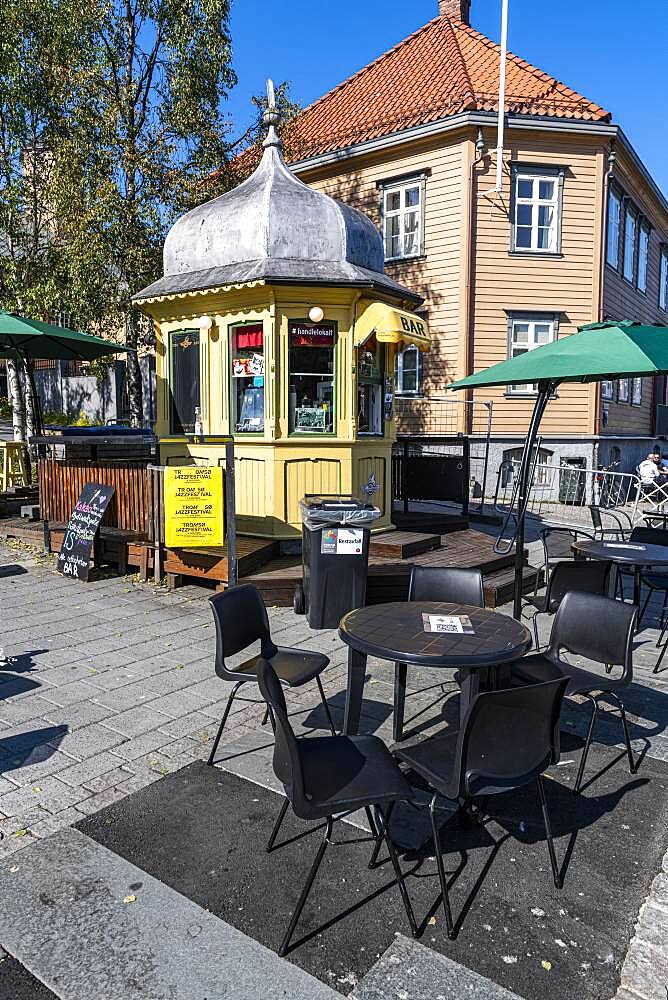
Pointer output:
x,y
194,506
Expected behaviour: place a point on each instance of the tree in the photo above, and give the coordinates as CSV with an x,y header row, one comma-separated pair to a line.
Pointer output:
x,y
148,125
41,57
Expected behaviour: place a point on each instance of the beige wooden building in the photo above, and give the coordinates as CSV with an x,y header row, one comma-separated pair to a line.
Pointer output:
x,y
577,231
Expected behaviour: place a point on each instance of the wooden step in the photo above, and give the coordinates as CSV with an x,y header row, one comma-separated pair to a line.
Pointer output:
x,y
421,521
211,563
402,544
500,586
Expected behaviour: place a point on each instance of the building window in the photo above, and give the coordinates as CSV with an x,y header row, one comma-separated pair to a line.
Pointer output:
x,y
510,467
623,390
184,382
536,210
643,255
607,390
311,377
636,391
247,354
409,372
663,279
525,333
630,223
614,223
403,218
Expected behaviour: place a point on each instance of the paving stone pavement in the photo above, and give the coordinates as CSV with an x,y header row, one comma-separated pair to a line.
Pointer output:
x,y
109,686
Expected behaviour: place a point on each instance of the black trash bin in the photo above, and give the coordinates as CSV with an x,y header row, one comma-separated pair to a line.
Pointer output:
x,y
335,557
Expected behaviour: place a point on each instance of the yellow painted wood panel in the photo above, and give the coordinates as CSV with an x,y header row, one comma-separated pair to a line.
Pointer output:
x,y
309,475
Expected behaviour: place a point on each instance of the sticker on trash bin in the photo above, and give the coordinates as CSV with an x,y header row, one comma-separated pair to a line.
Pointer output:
x,y
342,541
460,624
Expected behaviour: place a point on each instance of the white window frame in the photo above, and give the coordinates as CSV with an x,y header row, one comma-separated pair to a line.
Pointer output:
x,y
402,186
663,278
630,237
623,390
399,372
636,392
532,319
535,175
614,228
643,255
608,390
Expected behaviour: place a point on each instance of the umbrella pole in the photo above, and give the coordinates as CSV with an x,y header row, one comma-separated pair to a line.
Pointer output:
x,y
545,390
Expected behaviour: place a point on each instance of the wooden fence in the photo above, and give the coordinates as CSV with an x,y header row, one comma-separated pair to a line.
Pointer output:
x,y
60,484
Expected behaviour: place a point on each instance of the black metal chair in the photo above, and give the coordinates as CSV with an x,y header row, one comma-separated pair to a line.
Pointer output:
x,y
434,583
585,576
617,531
326,777
599,629
241,619
643,536
557,541
508,739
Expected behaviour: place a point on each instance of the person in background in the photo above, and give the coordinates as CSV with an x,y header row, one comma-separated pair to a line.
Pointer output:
x,y
650,472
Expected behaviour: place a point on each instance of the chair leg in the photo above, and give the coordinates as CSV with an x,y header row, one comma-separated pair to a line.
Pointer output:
x,y
633,765
590,733
233,694
441,869
277,826
657,665
650,591
265,718
285,944
400,672
536,641
326,706
556,875
382,826
379,836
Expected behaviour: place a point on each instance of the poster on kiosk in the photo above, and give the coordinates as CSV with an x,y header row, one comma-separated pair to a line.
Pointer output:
x,y
194,506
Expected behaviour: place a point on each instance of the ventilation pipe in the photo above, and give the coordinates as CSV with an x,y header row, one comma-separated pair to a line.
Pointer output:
x,y
502,96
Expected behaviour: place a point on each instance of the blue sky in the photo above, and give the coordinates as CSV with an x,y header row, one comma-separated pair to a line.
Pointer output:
x,y
612,51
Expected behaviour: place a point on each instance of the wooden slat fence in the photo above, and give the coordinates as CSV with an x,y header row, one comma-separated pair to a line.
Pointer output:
x,y
60,484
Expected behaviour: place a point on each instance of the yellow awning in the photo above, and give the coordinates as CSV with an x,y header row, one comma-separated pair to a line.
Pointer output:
x,y
391,326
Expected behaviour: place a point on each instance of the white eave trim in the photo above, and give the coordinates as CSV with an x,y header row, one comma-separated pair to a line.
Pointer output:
x,y
449,124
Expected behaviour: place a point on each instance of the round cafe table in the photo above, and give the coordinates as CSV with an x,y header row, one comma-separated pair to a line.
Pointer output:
x,y
396,632
635,554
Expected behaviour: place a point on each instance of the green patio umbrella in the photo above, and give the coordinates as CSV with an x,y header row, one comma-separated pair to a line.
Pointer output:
x,y
29,339
596,352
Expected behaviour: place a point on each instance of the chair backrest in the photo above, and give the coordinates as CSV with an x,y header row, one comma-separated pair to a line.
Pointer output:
x,y
287,761
649,536
598,628
557,542
448,583
509,737
241,619
595,517
586,576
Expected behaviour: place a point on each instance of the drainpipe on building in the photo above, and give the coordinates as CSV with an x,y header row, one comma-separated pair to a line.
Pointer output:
x,y
469,309
612,156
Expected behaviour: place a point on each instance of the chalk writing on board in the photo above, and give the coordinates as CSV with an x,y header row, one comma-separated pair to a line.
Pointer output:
x,y
82,527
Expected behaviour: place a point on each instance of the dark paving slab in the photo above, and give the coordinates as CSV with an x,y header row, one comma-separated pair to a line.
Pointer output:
x,y
202,831
16,983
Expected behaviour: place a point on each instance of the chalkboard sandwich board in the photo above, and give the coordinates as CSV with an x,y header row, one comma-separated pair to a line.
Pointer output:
x,y
82,527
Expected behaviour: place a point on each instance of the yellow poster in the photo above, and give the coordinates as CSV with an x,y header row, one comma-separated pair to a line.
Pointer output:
x,y
193,506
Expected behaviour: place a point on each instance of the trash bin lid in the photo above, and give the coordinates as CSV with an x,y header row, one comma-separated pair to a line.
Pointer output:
x,y
326,501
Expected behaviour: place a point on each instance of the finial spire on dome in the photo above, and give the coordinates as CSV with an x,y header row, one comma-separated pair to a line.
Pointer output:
x,y
271,118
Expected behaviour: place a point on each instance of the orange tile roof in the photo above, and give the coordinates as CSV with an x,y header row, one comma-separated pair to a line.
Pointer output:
x,y
444,68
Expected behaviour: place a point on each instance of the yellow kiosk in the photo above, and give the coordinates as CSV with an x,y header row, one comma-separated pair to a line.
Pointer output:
x,y
276,324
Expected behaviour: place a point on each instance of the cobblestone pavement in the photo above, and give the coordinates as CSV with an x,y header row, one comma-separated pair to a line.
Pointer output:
x,y
109,686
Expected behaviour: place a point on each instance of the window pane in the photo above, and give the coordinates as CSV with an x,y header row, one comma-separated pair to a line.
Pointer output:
x,y
247,345
524,188
643,247
393,201
523,237
546,190
311,377
521,333
412,197
663,280
411,246
629,244
524,215
184,388
545,215
544,239
612,255
542,333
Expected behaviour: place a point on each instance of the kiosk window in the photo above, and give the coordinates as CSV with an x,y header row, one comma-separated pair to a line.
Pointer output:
x,y
184,382
370,369
311,377
248,378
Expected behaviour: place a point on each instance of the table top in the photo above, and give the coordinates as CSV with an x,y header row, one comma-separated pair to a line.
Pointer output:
x,y
630,553
656,515
396,632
